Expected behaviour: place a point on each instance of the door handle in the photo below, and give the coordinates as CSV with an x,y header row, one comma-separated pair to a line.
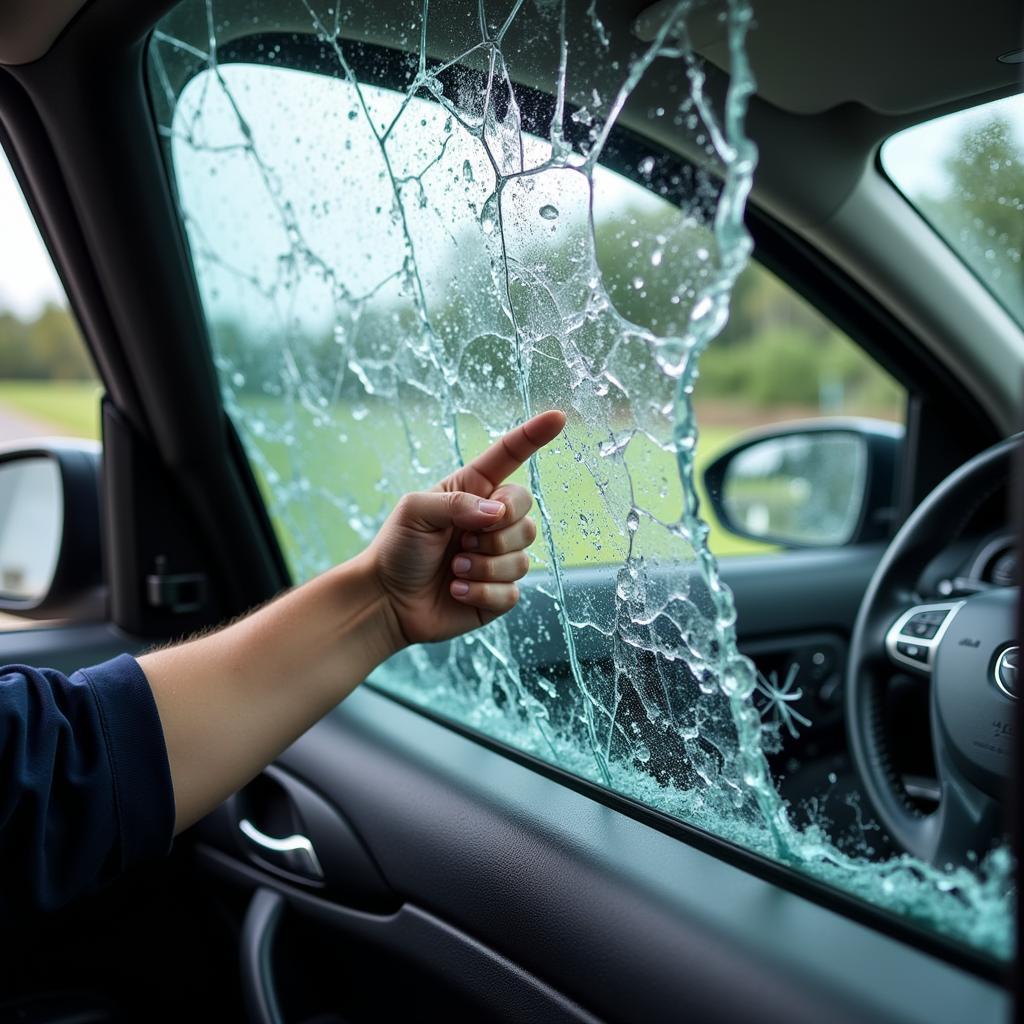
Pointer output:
x,y
294,853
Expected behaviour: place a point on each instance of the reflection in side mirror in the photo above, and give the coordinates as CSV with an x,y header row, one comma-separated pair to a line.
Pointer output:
x,y
50,564
31,527
823,483
798,489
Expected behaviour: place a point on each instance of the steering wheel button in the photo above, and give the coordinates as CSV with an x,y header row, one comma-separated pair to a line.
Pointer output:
x,y
913,651
925,630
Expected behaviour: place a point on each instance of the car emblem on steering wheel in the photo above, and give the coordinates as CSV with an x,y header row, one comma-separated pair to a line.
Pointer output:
x,y
1006,671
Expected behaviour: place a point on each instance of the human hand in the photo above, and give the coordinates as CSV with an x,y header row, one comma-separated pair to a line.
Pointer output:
x,y
447,559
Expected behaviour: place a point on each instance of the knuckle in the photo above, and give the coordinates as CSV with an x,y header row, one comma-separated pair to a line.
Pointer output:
x,y
531,530
520,499
522,564
405,506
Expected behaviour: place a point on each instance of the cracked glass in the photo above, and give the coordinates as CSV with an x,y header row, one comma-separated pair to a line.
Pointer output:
x,y
414,225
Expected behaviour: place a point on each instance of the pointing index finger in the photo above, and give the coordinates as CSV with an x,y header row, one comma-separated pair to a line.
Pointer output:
x,y
508,453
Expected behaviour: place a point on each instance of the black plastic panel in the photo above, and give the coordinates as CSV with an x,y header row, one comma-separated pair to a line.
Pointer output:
x,y
625,920
496,988
65,648
800,590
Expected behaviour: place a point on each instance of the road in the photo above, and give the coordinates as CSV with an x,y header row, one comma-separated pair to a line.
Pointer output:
x,y
16,426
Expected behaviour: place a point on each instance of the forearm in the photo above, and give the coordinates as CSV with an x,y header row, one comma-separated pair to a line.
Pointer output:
x,y
230,702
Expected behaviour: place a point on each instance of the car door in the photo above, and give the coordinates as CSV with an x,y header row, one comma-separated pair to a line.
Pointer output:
x,y
491,882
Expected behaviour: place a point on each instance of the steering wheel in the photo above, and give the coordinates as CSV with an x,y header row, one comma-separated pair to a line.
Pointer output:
x,y
968,648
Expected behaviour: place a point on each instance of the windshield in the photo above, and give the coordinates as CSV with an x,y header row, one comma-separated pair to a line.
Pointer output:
x,y
965,174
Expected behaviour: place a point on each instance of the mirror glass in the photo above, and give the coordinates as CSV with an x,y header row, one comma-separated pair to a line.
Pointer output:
x,y
798,488
31,527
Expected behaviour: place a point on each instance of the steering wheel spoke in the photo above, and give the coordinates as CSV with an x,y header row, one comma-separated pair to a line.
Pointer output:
x,y
913,638
965,822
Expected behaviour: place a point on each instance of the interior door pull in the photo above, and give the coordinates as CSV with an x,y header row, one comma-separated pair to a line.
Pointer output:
x,y
294,852
256,948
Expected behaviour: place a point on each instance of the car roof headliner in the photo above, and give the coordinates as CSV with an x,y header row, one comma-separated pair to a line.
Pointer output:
x,y
808,56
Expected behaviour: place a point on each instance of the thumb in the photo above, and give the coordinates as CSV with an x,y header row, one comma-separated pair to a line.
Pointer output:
x,y
439,510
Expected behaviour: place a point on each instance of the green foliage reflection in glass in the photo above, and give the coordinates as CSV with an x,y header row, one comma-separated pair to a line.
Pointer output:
x,y
973,191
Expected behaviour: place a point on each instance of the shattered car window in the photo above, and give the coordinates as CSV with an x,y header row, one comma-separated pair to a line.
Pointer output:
x,y
414,226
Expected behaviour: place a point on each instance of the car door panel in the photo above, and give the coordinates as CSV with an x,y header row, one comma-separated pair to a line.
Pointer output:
x,y
535,901
799,590
625,921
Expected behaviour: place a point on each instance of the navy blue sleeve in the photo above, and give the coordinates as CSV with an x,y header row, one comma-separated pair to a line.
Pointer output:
x,y
85,788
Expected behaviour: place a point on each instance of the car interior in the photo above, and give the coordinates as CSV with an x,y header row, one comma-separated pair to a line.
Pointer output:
x,y
405,859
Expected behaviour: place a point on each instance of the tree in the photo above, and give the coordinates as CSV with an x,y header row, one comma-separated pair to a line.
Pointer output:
x,y
46,348
982,210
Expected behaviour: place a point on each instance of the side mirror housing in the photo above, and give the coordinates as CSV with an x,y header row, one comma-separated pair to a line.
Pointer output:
x,y
50,562
819,483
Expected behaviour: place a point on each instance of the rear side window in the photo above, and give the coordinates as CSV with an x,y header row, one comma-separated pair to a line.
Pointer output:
x,y
403,250
48,385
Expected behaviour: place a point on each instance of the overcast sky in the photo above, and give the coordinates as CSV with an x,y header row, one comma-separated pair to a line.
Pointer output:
x,y
27,278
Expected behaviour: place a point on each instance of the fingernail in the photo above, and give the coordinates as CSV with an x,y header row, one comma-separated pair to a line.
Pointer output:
x,y
460,588
491,508
472,541
461,564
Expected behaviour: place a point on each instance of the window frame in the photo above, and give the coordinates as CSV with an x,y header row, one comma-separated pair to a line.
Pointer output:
x,y
814,278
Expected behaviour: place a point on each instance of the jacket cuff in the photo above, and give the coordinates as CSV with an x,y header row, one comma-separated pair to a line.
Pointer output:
x,y
143,794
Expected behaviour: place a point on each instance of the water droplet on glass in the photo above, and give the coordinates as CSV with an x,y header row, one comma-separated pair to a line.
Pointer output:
x,y
549,212
632,521
467,170
646,166
701,309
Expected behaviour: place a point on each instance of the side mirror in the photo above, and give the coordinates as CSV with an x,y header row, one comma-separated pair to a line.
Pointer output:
x,y
820,483
50,565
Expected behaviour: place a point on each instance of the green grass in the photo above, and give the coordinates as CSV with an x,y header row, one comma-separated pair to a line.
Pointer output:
x,y
70,408
320,456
